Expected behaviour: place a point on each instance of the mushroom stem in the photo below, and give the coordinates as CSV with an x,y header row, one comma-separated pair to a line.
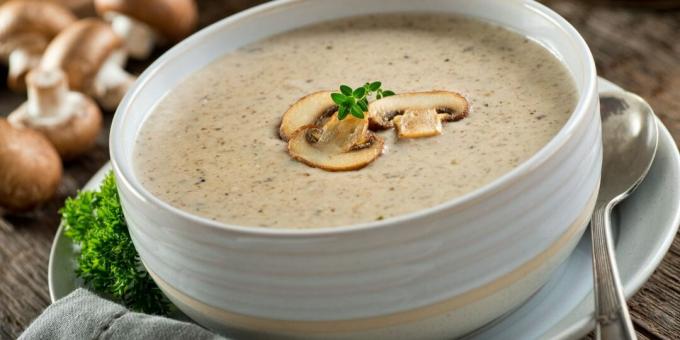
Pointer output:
x,y
70,120
47,96
21,61
139,37
112,81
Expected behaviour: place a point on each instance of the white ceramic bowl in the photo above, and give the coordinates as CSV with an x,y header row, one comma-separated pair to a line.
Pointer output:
x,y
439,272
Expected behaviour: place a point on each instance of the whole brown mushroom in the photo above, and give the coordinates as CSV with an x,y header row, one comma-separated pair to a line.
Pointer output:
x,y
80,7
92,56
30,168
70,120
26,27
143,24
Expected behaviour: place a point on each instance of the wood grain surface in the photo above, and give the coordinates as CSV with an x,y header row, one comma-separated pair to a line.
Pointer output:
x,y
636,47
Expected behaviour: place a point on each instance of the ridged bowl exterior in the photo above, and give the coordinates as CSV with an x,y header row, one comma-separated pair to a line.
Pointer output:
x,y
438,272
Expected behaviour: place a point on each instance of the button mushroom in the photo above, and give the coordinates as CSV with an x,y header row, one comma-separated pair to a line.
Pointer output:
x,y
417,114
70,120
91,54
80,7
26,27
143,23
31,168
338,145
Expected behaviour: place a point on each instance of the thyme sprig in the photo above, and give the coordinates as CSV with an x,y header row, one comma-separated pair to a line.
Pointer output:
x,y
355,101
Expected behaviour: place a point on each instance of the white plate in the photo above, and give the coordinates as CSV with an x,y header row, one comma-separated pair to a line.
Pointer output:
x,y
646,224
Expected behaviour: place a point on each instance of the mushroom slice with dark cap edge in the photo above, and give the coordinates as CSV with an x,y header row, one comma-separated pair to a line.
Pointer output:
x,y
337,145
313,109
422,112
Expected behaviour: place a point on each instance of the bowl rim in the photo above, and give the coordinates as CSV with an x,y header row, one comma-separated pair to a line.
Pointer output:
x,y
586,96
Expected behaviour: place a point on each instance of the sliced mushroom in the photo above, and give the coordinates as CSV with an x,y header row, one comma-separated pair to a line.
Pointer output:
x,y
70,120
449,106
31,168
418,123
143,23
312,109
340,135
91,54
337,145
26,27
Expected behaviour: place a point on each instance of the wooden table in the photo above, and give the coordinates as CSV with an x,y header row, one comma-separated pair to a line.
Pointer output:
x,y
636,48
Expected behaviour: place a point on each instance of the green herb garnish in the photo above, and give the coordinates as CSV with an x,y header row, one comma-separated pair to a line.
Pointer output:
x,y
108,262
355,101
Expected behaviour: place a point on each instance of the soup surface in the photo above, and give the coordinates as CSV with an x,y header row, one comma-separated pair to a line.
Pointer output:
x,y
211,146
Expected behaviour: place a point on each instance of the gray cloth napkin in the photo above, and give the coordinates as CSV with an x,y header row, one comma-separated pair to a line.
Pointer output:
x,y
84,315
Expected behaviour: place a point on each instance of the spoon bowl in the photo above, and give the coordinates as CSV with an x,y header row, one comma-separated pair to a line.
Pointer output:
x,y
630,138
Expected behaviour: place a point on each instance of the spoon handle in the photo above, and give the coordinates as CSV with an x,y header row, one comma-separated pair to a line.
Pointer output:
x,y
612,320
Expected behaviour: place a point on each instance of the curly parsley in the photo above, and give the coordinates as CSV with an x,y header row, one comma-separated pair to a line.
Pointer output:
x,y
108,262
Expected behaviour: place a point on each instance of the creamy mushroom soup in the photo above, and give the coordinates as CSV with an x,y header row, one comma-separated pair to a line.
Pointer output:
x,y
211,147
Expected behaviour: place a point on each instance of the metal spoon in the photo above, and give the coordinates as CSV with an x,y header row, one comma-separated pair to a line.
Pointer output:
x,y
630,138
